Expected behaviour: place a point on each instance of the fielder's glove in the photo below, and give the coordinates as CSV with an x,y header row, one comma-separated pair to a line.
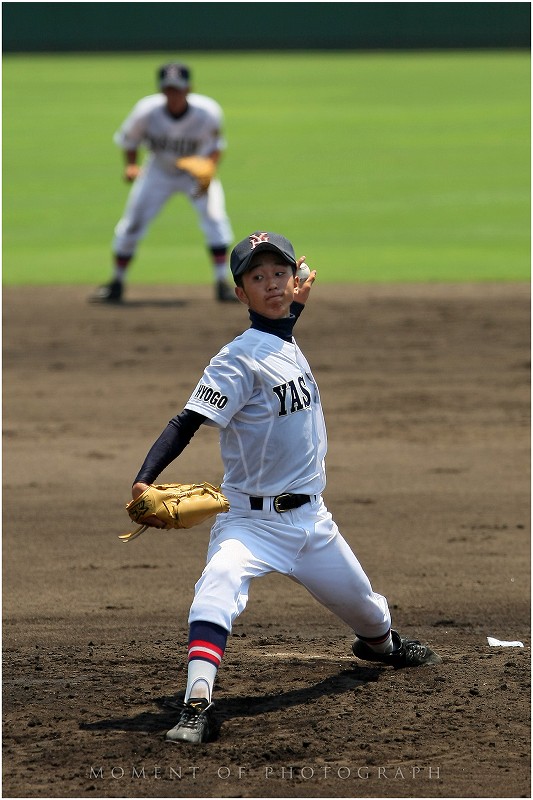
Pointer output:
x,y
201,168
178,505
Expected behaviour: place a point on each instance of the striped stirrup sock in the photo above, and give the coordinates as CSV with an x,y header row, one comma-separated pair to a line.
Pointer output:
x,y
207,643
380,644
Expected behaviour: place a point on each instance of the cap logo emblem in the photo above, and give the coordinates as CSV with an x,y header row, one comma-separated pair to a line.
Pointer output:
x,y
257,238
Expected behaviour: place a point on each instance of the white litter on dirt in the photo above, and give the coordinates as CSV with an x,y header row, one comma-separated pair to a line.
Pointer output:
x,y
497,643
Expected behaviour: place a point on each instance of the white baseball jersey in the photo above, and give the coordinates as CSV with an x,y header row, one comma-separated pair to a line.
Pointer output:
x,y
260,391
197,132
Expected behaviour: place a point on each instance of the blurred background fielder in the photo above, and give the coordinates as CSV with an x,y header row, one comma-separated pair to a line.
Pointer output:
x,y
172,124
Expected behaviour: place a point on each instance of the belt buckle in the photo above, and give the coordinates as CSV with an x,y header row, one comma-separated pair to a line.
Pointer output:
x,y
276,503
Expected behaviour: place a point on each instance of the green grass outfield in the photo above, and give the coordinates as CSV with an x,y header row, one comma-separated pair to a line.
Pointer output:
x,y
378,166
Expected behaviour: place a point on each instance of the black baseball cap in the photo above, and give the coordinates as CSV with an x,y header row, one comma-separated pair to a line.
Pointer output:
x,y
174,76
244,251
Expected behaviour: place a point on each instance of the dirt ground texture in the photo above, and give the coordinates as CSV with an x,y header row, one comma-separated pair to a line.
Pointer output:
x,y
426,395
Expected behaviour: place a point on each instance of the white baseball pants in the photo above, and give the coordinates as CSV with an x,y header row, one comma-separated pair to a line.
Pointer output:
x,y
304,544
150,192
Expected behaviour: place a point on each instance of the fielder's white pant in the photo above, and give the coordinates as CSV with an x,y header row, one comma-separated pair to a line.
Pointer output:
x,y
148,194
304,544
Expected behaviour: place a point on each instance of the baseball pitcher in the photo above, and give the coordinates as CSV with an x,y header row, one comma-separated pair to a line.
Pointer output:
x,y
259,392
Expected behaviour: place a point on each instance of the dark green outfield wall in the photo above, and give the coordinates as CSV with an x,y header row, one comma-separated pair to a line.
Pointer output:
x,y
93,27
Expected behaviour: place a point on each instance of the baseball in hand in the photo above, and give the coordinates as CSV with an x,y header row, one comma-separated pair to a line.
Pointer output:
x,y
303,272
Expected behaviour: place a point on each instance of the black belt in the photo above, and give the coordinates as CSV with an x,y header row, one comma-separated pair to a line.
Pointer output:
x,y
283,502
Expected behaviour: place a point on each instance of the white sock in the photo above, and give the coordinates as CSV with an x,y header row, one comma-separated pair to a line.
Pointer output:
x,y
200,679
383,647
221,271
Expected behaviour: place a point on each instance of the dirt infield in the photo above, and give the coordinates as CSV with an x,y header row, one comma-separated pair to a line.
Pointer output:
x,y
426,396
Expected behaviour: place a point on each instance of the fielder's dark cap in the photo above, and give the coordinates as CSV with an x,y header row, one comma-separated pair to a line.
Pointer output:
x,y
244,251
174,76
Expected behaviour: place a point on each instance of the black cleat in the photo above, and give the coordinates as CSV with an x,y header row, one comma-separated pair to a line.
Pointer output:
x,y
224,293
111,293
406,653
195,724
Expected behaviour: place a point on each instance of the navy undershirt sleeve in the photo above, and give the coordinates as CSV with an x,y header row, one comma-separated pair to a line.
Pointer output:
x,y
297,308
172,441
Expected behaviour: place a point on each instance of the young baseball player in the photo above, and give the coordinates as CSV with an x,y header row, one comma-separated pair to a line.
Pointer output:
x,y
260,393
172,124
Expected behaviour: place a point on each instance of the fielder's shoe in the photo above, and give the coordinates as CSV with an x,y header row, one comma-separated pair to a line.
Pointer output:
x,y
195,724
111,293
406,653
224,293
